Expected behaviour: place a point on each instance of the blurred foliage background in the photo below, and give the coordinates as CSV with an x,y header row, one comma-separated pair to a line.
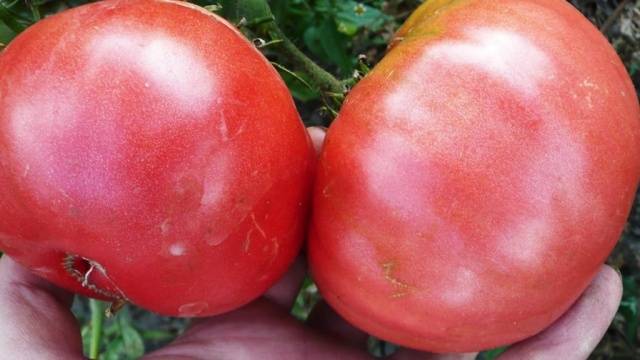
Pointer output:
x,y
345,37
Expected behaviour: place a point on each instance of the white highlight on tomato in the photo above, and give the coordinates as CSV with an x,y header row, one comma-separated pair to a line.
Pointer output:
x,y
193,309
169,65
502,54
552,180
43,270
430,126
460,288
394,172
177,249
43,127
215,186
526,244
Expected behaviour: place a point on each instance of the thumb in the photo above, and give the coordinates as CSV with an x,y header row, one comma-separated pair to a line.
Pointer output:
x,y
35,315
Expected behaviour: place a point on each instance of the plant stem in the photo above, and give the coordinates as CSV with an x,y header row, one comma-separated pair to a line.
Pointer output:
x,y
256,15
35,12
614,17
97,318
318,76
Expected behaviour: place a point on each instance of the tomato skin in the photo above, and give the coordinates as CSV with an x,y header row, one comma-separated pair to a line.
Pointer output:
x,y
152,139
476,179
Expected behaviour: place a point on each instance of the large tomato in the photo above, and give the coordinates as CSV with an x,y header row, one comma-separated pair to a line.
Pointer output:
x,y
148,152
476,179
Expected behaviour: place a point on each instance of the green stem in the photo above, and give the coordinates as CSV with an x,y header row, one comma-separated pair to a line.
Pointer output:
x,y
318,76
35,12
614,17
256,15
97,318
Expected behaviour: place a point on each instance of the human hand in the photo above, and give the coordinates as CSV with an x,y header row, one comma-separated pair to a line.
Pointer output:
x,y
37,324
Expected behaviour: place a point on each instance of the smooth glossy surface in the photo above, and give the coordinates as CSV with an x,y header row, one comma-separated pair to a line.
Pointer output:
x,y
153,140
476,179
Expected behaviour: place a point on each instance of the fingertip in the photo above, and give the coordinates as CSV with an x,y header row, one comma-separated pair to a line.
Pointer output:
x,y
610,281
317,134
408,354
26,303
324,319
12,272
284,292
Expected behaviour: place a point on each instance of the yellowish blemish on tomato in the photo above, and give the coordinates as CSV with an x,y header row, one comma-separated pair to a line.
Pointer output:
x,y
428,22
425,20
401,288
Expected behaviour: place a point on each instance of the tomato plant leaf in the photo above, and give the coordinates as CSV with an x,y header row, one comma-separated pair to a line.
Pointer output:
x,y
492,354
334,45
133,343
6,34
629,308
12,21
352,16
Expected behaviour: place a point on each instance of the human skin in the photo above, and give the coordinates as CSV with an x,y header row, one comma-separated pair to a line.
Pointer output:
x,y
149,153
477,178
37,323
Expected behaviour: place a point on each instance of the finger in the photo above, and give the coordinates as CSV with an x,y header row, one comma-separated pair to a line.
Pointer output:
x,y
285,291
408,354
260,330
324,319
317,135
35,315
577,332
327,321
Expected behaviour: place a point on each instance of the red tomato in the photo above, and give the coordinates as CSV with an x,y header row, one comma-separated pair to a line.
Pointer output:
x,y
476,179
149,152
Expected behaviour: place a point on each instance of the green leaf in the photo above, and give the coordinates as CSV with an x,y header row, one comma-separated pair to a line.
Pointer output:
x,y
298,85
252,11
307,298
380,348
330,45
114,350
492,354
322,6
6,35
629,308
312,41
335,46
353,16
10,20
347,28
133,343
156,335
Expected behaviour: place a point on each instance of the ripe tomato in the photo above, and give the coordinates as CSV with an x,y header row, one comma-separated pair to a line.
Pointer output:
x,y
476,179
149,152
